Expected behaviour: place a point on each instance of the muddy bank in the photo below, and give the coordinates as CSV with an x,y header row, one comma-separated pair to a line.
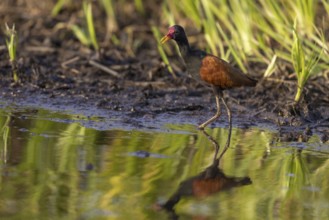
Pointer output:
x,y
146,107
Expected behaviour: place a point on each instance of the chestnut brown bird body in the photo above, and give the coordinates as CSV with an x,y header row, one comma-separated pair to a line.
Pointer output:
x,y
209,69
218,72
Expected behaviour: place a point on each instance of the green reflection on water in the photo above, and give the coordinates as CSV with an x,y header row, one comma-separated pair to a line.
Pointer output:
x,y
54,168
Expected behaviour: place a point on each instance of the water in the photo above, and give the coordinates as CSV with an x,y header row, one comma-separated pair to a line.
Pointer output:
x,y
52,167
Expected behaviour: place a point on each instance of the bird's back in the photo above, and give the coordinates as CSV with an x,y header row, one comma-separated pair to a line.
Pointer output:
x,y
218,72
215,71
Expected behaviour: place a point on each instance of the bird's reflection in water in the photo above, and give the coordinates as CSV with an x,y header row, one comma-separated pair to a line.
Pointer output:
x,y
210,181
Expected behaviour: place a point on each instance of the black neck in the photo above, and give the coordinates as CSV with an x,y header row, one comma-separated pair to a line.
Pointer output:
x,y
184,46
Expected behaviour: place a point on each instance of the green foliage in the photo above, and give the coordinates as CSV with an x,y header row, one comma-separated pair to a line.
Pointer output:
x,y
271,67
81,35
325,3
87,8
305,11
139,6
111,20
87,37
58,6
303,65
11,42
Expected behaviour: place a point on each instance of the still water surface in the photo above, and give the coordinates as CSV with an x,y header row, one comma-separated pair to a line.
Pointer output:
x,y
52,167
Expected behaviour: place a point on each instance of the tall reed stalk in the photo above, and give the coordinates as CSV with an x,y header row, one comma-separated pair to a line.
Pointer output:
x,y
304,66
11,42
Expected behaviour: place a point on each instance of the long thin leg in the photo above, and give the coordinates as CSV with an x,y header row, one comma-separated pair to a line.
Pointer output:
x,y
229,113
218,94
214,142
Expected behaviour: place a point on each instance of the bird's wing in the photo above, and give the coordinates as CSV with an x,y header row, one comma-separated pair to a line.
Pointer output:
x,y
218,72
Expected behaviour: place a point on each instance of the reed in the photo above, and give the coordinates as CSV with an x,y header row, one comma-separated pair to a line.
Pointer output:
x,y
88,37
59,6
111,21
304,66
11,42
87,8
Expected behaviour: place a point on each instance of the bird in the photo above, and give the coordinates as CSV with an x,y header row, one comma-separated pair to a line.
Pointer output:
x,y
210,70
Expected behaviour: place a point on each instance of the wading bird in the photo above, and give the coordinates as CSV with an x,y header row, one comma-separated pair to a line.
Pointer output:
x,y
209,69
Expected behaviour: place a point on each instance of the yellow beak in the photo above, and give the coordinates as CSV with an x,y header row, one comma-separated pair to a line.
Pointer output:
x,y
165,39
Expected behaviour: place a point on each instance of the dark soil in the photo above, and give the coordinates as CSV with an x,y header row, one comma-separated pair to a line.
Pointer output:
x,y
133,84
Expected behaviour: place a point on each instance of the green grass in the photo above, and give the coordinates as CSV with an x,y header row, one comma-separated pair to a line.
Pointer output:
x,y
81,35
271,67
58,6
139,6
11,42
304,66
87,8
111,21
88,37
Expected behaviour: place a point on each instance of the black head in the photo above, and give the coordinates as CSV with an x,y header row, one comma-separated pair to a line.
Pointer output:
x,y
176,33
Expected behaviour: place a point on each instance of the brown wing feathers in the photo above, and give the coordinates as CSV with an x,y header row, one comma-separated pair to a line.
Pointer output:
x,y
218,72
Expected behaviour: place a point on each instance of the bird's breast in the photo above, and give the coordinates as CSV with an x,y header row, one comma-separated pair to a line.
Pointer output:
x,y
193,66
